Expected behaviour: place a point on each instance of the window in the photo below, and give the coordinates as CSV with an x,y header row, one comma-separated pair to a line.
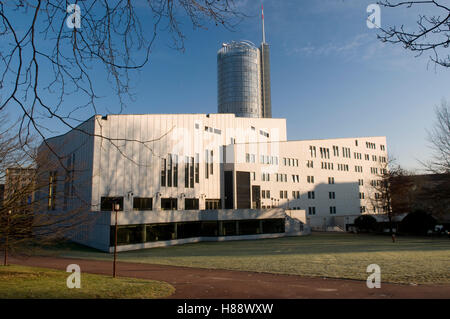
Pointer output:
x,y
213,204
52,182
360,182
330,180
362,209
142,203
268,194
333,210
311,210
186,172
211,163
311,195
191,204
335,150
197,168
163,172
206,164
169,203
331,195
175,170
169,171
281,194
310,179
253,176
106,203
310,164
361,195
263,194
312,151
285,194
191,173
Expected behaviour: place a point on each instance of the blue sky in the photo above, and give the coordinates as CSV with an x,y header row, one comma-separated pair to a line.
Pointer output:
x,y
331,76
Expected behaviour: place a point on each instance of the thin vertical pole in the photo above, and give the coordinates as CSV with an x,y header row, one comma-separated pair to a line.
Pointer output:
x,y
263,31
115,245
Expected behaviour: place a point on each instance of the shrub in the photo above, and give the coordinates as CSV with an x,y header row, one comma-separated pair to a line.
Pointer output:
x,y
417,223
365,223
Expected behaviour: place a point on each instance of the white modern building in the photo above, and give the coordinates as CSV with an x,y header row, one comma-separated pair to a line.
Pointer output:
x,y
190,177
181,178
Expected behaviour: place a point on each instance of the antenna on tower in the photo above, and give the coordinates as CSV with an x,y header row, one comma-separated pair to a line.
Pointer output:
x,y
263,31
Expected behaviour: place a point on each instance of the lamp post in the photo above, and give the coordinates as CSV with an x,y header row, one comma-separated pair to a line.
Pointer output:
x,y
5,261
116,208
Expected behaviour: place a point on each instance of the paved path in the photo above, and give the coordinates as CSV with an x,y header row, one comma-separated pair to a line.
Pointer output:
x,y
193,283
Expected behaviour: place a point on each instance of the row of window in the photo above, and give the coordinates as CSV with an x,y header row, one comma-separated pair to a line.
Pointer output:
x,y
213,130
290,162
146,203
312,210
295,194
346,152
137,234
343,167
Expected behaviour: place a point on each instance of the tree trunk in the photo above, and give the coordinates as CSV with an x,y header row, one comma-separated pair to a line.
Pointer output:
x,y
391,228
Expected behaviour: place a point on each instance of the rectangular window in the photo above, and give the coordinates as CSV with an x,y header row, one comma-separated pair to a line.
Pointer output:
x,y
169,204
191,204
52,182
211,163
197,168
206,164
163,172
191,173
186,172
142,203
212,204
169,171
175,170
107,203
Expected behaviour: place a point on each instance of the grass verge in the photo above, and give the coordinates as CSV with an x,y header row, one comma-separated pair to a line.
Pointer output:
x,y
22,282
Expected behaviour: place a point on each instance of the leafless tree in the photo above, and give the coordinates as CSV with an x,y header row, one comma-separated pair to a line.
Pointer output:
x,y
431,33
51,66
390,190
439,140
26,216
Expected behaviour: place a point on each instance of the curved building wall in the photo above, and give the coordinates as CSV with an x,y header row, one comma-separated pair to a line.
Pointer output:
x,y
239,80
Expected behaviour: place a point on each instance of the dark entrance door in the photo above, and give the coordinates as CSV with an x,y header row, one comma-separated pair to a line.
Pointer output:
x,y
243,189
256,197
228,190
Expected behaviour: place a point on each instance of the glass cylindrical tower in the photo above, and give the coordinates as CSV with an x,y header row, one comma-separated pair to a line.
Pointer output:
x,y
239,79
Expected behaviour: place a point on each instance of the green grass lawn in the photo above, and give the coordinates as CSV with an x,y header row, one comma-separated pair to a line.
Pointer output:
x,y
337,255
32,282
